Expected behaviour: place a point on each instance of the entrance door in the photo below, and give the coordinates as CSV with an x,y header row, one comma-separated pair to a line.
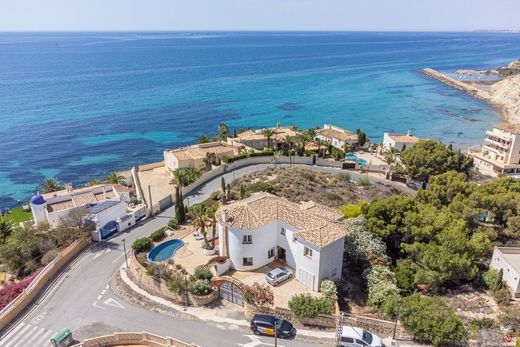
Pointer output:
x,y
232,293
282,253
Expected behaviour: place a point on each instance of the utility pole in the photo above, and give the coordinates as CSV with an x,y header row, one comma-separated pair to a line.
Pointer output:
x,y
124,250
275,332
150,198
396,317
186,290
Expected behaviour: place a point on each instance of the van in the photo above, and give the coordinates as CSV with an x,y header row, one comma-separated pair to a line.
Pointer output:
x,y
358,337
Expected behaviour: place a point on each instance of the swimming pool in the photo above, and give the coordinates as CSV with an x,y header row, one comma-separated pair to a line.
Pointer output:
x,y
165,250
354,157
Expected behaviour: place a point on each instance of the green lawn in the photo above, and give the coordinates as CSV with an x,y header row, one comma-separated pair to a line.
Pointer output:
x,y
17,215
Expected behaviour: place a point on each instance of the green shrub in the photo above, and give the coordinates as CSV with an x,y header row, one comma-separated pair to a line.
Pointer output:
x,y
202,273
345,176
329,290
142,245
158,235
262,154
351,210
364,181
173,224
309,153
200,287
176,285
159,271
306,305
502,295
491,279
428,319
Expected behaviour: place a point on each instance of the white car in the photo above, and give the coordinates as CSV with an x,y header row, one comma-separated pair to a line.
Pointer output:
x,y
278,275
358,337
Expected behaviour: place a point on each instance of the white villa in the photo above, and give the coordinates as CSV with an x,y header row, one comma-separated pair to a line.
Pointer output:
x,y
507,259
308,237
337,136
108,206
256,139
193,156
399,142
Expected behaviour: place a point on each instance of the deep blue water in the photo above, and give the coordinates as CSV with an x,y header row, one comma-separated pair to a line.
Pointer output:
x,y
77,105
165,250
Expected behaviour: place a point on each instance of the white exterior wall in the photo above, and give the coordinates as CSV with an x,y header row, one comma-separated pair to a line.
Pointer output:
x,y
39,213
54,218
110,214
287,243
511,275
311,266
331,261
333,141
264,238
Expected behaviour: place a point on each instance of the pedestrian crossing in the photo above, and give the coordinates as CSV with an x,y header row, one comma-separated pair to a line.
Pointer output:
x,y
27,335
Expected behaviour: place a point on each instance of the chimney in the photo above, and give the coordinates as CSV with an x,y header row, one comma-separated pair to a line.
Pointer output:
x,y
278,125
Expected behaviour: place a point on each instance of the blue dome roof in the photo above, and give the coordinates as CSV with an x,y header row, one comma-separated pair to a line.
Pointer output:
x,y
37,200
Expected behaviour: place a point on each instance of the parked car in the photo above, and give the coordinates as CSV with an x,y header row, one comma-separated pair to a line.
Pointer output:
x,y
358,337
264,324
278,275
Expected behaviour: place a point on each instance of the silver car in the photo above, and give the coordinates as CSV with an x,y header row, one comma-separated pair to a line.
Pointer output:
x,y
278,275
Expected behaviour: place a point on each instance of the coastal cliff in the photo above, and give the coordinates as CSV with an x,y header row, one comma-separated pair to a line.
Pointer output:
x,y
503,94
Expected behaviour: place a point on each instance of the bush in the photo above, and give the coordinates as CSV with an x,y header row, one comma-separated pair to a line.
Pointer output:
x,y
259,294
173,224
202,273
351,210
491,279
361,246
158,235
306,305
262,154
381,284
49,256
364,181
142,245
200,287
159,271
329,290
344,176
429,319
11,291
502,295
176,285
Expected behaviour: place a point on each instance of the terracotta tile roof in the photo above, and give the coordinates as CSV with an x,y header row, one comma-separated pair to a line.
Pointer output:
x,y
84,198
58,206
512,128
279,133
315,223
344,135
47,196
404,138
250,135
199,151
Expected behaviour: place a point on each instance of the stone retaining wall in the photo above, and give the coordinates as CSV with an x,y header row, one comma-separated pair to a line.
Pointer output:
x,y
144,338
11,311
140,277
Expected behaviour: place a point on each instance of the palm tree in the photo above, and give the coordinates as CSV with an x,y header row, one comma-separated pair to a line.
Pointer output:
x,y
268,133
328,146
6,229
223,130
185,176
198,213
203,139
114,178
211,213
209,159
302,140
93,182
347,147
311,133
319,143
389,156
51,185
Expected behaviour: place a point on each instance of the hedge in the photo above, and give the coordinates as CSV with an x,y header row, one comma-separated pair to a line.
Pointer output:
x,y
158,235
306,305
142,245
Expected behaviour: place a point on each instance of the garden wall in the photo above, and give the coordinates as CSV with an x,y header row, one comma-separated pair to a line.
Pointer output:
x,y
11,311
142,339
151,166
140,277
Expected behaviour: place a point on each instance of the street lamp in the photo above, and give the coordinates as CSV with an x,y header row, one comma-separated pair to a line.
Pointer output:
x,y
124,250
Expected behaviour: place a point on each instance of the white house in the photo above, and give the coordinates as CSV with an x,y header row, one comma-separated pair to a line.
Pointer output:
x,y
399,142
308,237
106,205
193,156
337,136
507,259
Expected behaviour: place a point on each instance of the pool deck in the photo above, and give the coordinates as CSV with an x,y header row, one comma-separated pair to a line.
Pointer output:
x,y
191,254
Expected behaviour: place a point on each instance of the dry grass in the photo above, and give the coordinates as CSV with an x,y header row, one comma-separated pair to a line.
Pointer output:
x,y
297,184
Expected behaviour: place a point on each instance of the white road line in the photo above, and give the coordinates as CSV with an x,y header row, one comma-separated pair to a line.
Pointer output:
x,y
97,255
45,339
18,335
25,336
99,297
107,286
103,292
34,337
13,332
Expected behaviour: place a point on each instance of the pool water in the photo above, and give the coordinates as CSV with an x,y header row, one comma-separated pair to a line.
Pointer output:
x,y
165,250
354,157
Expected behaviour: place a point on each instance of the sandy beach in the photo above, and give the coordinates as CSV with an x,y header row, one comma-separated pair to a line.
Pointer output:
x,y
503,94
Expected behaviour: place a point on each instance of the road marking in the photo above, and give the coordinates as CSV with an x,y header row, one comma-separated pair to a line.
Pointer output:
x,y
119,256
13,332
29,335
112,302
255,341
98,297
107,286
96,305
103,292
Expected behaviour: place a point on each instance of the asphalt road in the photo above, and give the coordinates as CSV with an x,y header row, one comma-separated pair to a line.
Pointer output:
x,y
82,300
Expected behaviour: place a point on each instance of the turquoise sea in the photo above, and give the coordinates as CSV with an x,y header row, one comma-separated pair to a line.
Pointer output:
x,y
77,105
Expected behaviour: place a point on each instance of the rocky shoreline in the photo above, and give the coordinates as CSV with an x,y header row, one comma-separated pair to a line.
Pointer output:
x,y
503,94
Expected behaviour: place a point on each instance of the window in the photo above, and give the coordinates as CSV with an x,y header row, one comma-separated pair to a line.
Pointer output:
x,y
247,239
294,238
307,252
247,261
347,339
283,231
361,343
270,253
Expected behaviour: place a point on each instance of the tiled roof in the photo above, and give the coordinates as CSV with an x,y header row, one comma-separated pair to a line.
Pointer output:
x,y
199,151
404,138
58,206
84,198
279,133
315,223
344,135
47,196
512,128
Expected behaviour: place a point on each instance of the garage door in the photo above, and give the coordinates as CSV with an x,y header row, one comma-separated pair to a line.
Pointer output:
x,y
306,278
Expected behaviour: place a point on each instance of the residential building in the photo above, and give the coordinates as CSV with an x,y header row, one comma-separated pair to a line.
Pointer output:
x,y
193,156
308,237
500,152
108,206
256,139
338,137
399,142
507,259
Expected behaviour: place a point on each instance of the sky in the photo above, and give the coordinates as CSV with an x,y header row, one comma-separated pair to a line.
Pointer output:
x,y
206,15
